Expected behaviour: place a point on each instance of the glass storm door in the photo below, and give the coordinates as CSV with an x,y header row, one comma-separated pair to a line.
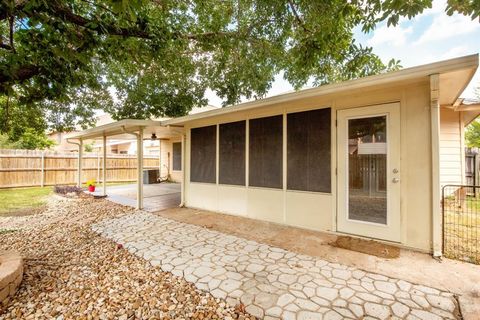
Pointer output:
x,y
368,146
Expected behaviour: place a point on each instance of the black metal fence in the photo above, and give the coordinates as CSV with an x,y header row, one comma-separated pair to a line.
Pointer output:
x,y
461,222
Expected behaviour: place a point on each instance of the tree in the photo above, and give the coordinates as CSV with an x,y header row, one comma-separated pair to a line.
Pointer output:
x,y
472,131
30,139
23,127
61,57
472,134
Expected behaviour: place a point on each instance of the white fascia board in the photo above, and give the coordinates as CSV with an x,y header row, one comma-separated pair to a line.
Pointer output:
x,y
114,128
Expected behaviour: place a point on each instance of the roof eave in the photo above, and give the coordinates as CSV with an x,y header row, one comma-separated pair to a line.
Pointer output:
x,y
114,128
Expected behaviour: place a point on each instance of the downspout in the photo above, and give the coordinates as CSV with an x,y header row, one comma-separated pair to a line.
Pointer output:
x,y
80,156
435,151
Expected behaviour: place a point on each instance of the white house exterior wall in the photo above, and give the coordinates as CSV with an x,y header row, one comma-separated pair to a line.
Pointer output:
x,y
317,211
452,156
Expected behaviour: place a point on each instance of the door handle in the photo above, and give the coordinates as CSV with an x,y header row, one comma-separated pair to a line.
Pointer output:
x,y
395,180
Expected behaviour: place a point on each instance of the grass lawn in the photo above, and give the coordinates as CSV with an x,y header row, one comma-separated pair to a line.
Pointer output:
x,y
462,229
22,198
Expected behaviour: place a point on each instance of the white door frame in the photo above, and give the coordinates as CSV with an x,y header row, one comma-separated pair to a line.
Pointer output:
x,y
391,231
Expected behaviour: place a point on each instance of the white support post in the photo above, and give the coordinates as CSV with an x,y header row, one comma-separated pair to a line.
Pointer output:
x,y
140,169
284,164
435,143
247,153
184,172
42,177
104,161
98,165
159,158
217,155
80,157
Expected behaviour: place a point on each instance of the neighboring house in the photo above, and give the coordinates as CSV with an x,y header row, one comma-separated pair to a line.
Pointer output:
x,y
454,119
365,157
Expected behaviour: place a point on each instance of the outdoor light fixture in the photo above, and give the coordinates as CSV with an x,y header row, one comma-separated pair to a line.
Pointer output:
x,y
154,136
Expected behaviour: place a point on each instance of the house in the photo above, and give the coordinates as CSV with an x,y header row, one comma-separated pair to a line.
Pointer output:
x,y
365,157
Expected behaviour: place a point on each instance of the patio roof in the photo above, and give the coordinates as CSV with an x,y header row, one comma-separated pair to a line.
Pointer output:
x,y
121,130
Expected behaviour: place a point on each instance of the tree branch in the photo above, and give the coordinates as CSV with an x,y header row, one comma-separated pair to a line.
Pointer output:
x,y
62,12
23,73
10,21
66,14
297,16
4,13
5,46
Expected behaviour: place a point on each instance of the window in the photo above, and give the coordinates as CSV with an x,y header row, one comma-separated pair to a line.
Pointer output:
x,y
232,153
265,152
177,156
309,150
203,154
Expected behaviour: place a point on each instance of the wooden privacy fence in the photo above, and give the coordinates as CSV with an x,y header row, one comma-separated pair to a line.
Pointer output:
x,y
28,168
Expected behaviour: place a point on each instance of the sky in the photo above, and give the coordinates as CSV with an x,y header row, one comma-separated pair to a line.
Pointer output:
x,y
429,37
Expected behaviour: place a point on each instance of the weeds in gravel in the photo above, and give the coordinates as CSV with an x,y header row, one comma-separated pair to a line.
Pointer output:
x,y
5,231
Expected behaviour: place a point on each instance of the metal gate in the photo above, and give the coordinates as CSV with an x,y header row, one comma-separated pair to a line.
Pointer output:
x,y
472,162
461,222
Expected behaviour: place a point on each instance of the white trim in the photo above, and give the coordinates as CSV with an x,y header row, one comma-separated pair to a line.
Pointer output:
x,y
80,163
184,170
140,169
104,173
284,163
217,154
435,147
115,128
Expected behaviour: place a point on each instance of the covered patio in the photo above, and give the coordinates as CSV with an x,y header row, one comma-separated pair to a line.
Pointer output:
x,y
156,197
150,197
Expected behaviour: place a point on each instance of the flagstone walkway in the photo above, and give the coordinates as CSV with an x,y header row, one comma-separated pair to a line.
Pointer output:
x,y
271,282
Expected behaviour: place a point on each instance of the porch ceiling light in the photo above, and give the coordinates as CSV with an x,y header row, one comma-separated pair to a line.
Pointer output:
x,y
154,136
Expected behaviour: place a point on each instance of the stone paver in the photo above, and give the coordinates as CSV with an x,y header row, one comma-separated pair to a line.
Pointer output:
x,y
272,282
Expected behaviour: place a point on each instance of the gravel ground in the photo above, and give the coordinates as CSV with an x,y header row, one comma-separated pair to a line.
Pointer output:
x,y
72,273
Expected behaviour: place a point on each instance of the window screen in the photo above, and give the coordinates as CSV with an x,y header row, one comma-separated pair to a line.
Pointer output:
x,y
177,156
203,154
265,152
232,153
308,150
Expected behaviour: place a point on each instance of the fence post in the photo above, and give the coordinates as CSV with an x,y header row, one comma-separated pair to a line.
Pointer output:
x,y
474,175
42,171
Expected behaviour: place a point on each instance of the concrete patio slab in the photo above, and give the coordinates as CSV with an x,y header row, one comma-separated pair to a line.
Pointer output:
x,y
159,196
448,275
271,282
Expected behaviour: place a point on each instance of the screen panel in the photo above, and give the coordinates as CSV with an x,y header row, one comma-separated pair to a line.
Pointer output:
x,y
203,154
265,152
232,153
177,156
309,150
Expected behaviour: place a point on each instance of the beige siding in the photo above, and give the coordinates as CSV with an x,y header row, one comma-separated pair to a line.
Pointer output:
x,y
317,211
167,160
451,147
